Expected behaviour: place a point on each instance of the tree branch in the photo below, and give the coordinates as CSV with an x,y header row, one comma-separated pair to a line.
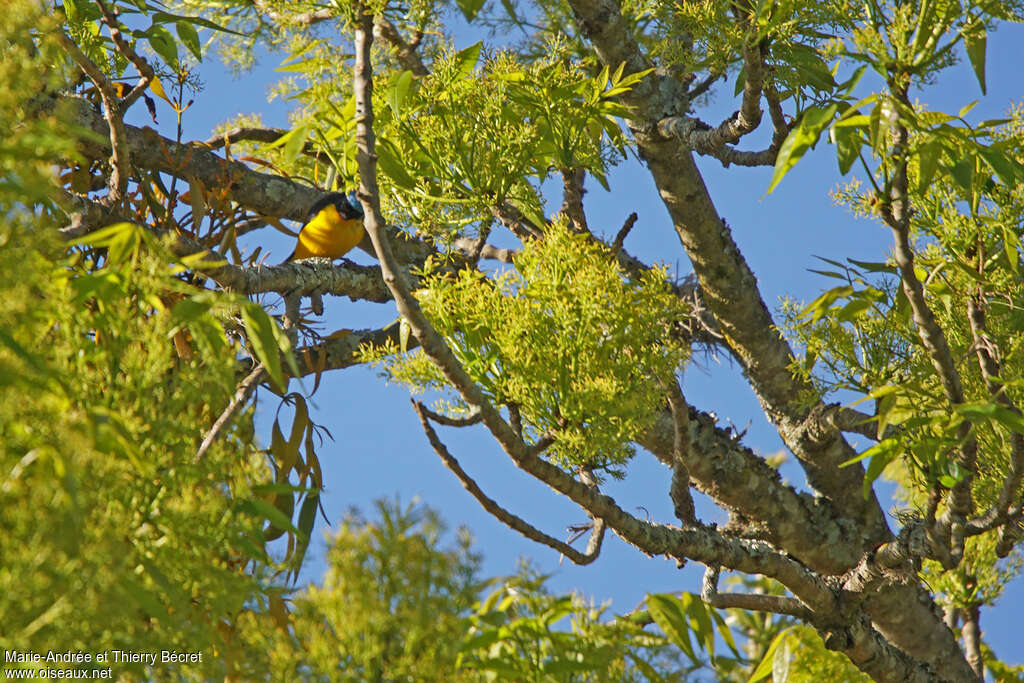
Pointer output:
x,y
572,198
776,604
120,158
726,281
405,52
510,520
710,141
245,389
971,632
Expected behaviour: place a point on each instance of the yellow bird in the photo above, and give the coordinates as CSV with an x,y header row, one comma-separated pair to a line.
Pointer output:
x,y
334,227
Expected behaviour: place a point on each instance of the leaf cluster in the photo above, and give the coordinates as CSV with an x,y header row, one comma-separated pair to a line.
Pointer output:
x,y
577,347
471,135
136,548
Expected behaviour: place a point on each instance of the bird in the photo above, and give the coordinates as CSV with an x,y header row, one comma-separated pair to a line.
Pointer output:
x,y
334,227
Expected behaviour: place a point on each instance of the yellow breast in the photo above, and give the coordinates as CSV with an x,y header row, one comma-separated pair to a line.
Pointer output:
x,y
328,235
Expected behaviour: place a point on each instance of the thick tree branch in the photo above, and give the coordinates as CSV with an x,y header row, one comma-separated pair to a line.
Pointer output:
x,y
342,349
572,198
971,632
739,480
727,283
266,194
466,245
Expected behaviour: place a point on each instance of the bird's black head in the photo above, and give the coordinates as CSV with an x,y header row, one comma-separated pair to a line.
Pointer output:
x,y
345,208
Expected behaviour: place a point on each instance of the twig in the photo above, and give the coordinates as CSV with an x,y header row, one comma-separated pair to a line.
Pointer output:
x,y
146,74
708,140
991,370
679,491
509,519
120,158
776,604
468,421
241,397
305,19
623,232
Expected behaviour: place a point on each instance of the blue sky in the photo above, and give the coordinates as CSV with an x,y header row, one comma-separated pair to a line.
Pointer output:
x,y
380,451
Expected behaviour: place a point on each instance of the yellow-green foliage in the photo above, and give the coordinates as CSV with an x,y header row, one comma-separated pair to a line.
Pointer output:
x,y
396,604
111,537
566,337
28,64
392,605
482,129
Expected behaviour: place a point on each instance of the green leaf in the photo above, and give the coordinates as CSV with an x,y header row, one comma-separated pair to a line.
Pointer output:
x,y
800,139
169,18
162,42
190,38
388,162
928,161
874,266
466,59
294,144
853,309
307,514
811,68
1011,246
848,141
1004,166
398,91
963,173
262,333
666,611
765,667
404,330
985,411
878,463
975,40
261,509
819,308
701,624
881,454
470,8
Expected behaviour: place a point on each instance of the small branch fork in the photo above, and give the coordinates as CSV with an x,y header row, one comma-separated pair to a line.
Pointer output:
x,y
712,141
776,604
511,520
120,160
